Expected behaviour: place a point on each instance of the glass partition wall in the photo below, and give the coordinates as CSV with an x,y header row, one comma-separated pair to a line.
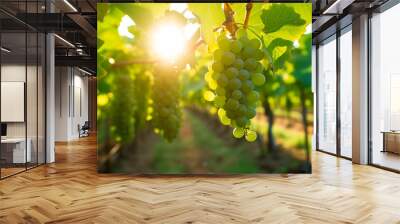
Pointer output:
x,y
327,95
22,77
346,74
385,89
334,94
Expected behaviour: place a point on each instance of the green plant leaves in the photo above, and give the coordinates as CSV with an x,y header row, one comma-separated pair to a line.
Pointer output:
x,y
286,21
278,16
211,16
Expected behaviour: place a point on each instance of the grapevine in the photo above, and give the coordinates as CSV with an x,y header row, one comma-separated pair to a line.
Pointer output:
x,y
167,111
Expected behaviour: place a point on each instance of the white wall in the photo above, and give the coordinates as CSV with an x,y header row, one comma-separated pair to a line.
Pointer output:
x,y
71,94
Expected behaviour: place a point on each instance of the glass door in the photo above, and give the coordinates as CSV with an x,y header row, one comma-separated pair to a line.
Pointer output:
x,y
385,89
346,92
326,95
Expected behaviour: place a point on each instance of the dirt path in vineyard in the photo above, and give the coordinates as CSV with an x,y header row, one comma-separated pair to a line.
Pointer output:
x,y
193,156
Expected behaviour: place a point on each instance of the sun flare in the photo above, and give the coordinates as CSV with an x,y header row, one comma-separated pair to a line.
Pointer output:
x,y
168,42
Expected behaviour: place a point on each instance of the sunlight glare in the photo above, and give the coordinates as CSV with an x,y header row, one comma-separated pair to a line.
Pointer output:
x,y
296,44
188,15
190,29
178,7
126,22
168,42
308,29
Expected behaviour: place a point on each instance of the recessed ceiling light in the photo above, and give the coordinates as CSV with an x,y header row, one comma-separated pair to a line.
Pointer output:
x,y
70,5
5,50
84,71
64,40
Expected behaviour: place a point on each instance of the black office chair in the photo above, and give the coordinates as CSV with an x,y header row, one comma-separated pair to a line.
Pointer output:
x,y
84,130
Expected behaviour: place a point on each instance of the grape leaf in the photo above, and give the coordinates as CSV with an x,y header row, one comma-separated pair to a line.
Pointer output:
x,y
102,9
211,16
286,21
279,15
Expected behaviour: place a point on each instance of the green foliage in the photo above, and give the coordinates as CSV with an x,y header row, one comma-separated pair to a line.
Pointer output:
x,y
210,17
277,16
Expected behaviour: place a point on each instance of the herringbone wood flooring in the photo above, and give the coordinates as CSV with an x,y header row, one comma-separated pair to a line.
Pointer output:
x,y
71,191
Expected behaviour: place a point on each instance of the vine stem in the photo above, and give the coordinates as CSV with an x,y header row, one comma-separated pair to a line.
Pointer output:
x,y
249,6
229,22
133,62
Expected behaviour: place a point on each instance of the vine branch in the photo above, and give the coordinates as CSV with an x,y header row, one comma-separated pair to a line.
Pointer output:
x,y
229,22
133,62
249,6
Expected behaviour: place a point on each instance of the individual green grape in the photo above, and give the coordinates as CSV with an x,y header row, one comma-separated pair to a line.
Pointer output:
x,y
219,101
241,121
228,58
252,96
224,43
222,117
258,79
231,72
242,110
255,43
251,136
217,66
236,46
251,112
234,83
250,64
222,81
237,94
232,104
243,75
248,52
238,63
218,54
220,91
247,86
215,75
238,132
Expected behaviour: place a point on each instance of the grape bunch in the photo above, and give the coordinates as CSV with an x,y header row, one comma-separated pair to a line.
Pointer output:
x,y
236,73
123,107
167,110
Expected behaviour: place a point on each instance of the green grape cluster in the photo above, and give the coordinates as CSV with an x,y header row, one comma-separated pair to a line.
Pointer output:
x,y
123,107
167,111
236,73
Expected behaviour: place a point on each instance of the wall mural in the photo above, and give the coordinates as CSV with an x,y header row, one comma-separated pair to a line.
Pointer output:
x,y
204,88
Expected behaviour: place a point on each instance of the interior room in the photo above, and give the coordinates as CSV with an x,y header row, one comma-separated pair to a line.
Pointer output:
x,y
22,99
49,109
385,86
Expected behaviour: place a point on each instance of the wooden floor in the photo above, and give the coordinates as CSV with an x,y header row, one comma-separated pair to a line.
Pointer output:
x,y
71,191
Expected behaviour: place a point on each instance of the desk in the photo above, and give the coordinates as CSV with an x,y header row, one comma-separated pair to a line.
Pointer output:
x,y
16,147
391,141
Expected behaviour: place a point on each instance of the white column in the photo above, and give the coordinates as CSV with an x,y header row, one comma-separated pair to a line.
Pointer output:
x,y
50,98
360,90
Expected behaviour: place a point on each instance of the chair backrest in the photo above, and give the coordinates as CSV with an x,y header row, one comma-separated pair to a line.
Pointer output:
x,y
86,124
